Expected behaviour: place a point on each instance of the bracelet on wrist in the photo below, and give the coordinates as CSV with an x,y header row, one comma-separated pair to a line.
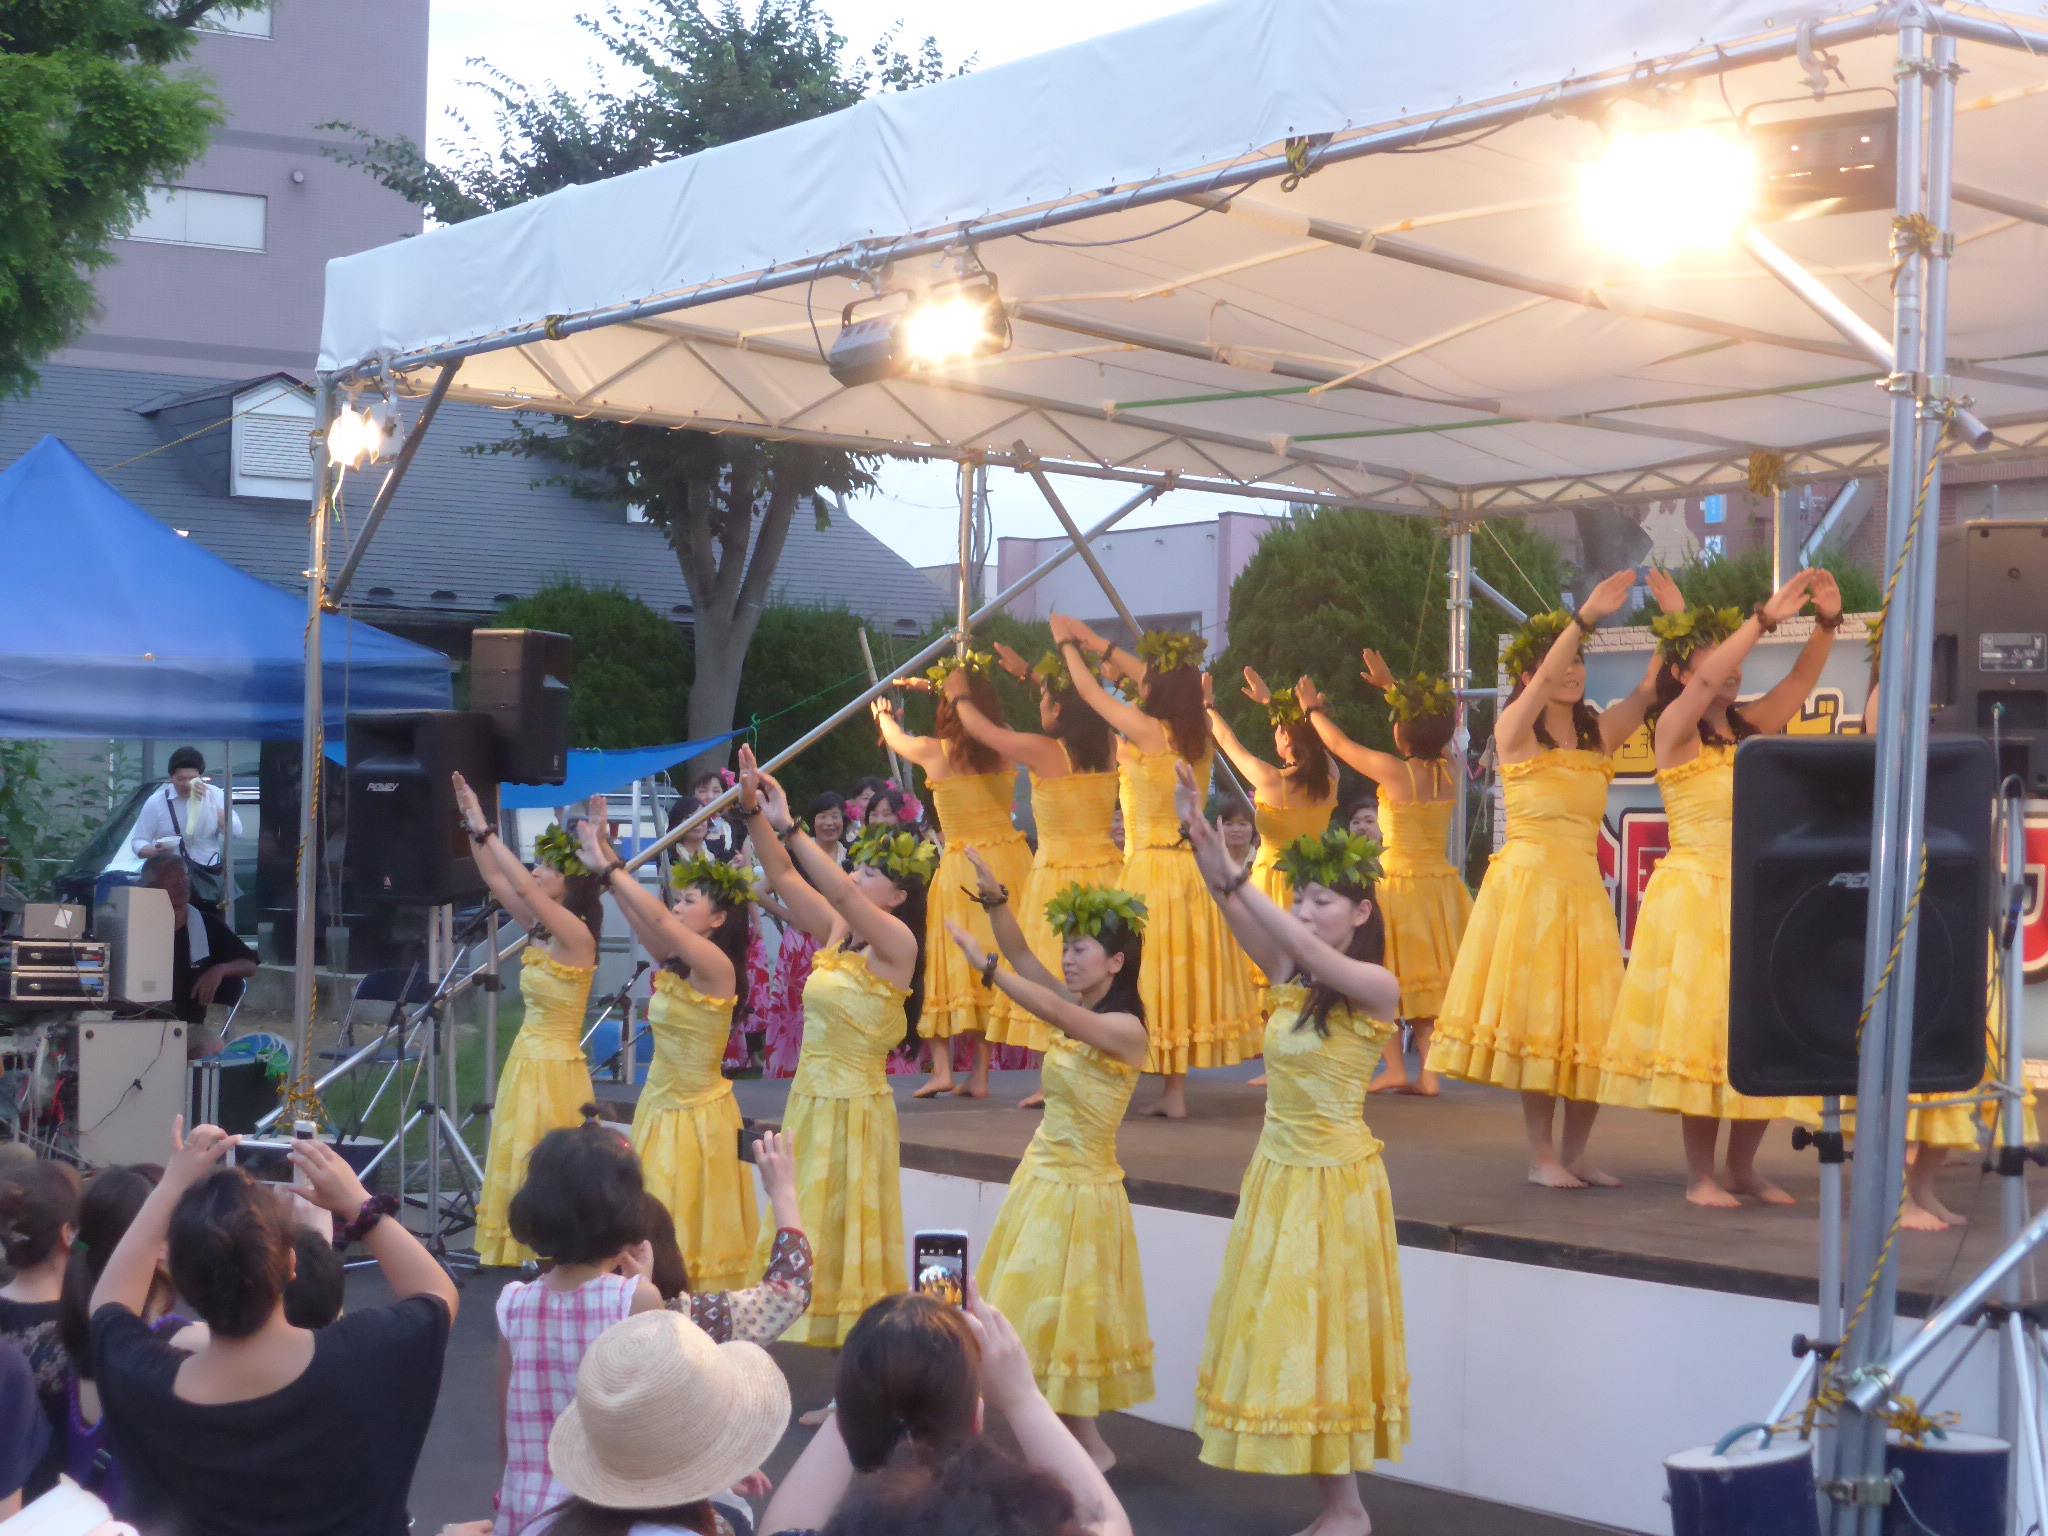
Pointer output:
x,y
483,836
1579,619
988,971
988,903
374,1210
1822,621
784,834
1764,621
1234,884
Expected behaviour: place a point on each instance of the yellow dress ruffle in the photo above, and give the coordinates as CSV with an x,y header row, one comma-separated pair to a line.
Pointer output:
x,y
1279,825
1062,1261
1073,814
1305,1370
841,1125
1423,902
1532,994
974,812
1668,1045
1200,1006
686,1129
543,1087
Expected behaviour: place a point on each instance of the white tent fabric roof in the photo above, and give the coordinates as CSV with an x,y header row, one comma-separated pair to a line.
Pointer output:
x,y
1476,350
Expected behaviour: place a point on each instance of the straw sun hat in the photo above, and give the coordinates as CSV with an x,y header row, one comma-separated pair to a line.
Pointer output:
x,y
664,1416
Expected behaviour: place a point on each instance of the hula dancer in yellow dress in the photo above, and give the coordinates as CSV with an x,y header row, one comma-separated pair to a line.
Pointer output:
x,y
687,1124
1532,994
1291,801
1668,1045
1062,1261
545,1082
972,786
1073,800
1305,1372
1421,894
1200,1008
860,1004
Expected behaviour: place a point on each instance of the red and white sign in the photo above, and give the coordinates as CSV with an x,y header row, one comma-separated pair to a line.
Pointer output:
x,y
1628,855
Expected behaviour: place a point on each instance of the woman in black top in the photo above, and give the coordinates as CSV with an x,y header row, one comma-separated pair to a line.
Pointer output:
x,y
268,1429
38,1223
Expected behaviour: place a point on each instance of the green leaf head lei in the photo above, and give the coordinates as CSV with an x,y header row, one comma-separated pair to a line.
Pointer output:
x,y
1088,911
1334,860
729,885
557,849
898,854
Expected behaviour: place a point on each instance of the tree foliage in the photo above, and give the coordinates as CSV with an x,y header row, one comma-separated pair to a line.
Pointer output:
x,y
697,78
1744,580
806,663
90,118
632,686
1332,583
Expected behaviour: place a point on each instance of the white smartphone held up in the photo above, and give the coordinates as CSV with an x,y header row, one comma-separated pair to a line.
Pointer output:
x,y
302,1130
938,1266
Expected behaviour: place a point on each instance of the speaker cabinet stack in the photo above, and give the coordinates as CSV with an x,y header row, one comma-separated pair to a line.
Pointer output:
x,y
1991,641
1801,866
405,839
520,679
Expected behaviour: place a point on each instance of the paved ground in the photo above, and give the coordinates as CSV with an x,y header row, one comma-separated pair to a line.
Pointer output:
x,y
1165,1489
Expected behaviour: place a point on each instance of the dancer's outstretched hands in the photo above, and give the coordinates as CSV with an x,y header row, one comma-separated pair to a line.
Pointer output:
x,y
1376,672
593,836
1790,598
1207,842
1011,662
1255,688
1826,594
971,947
775,801
777,1167
750,782
466,802
1208,691
1664,591
992,889
1308,695
1608,597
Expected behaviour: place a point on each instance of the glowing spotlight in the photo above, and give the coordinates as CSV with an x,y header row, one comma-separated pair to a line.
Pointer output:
x,y
953,325
356,438
949,322
1652,196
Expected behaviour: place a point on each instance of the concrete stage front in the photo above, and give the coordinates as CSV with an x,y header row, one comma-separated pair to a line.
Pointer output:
x,y
1561,1343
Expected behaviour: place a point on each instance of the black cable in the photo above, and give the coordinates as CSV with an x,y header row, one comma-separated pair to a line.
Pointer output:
x,y
1164,229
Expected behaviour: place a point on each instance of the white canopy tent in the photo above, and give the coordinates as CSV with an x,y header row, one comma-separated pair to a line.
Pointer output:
x,y
1328,251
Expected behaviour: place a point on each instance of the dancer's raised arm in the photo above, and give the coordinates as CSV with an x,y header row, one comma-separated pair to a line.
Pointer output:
x,y
1262,776
665,935
1380,767
928,752
513,884
1114,1034
805,907
1776,709
994,897
1125,718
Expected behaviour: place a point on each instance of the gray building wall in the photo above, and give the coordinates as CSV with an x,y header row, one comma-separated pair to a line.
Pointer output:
x,y
230,313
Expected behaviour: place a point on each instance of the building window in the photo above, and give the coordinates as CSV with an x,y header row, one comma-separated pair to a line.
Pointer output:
x,y
1713,509
1713,547
231,221
247,20
271,444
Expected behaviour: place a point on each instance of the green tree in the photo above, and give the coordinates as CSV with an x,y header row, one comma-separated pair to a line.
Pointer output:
x,y
1742,581
805,664
90,118
633,671
697,79
1332,583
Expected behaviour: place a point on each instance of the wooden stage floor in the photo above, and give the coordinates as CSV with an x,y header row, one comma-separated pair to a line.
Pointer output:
x,y
1455,1164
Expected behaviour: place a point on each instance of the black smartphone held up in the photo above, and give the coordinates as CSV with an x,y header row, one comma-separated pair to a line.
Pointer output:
x,y
938,1266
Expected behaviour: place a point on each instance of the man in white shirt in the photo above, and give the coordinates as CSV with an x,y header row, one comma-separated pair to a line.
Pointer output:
x,y
188,816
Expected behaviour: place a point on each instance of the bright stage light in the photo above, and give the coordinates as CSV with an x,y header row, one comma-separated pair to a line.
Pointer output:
x,y
356,438
948,323
1654,195
952,325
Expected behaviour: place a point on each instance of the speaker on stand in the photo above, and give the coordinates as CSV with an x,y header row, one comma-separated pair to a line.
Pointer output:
x,y
405,839
1991,642
520,679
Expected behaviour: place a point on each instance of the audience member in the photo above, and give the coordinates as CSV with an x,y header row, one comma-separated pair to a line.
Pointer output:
x,y
188,819
762,1313
1362,815
1234,818
912,1380
580,1208
892,808
207,955
24,1428
860,797
719,838
313,1295
38,1224
266,1429
109,1208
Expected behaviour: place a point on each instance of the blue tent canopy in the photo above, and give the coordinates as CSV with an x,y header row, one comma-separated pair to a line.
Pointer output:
x,y
112,624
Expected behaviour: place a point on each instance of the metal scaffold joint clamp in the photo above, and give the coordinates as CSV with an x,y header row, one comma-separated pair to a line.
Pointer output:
x,y
1860,1493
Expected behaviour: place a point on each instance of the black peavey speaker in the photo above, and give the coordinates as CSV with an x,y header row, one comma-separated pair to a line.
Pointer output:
x,y
1991,642
520,678
405,838
1801,866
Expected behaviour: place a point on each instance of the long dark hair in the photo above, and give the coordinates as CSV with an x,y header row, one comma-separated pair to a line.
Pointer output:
x,y
1310,770
37,1202
1670,685
671,1275
910,1370
583,895
1585,721
580,1517
104,1215
1090,743
1123,995
912,915
732,938
1175,699
962,748
1429,735
1368,943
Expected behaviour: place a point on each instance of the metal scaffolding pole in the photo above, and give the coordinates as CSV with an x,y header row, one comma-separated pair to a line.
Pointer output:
x,y
1459,665
1059,510
1919,344
392,477
307,928
970,492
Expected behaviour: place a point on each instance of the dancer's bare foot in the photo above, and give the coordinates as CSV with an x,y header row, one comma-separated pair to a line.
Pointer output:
x,y
1598,1178
968,1088
1709,1193
1757,1187
1161,1109
816,1416
1554,1175
1259,1081
933,1088
1915,1217
1089,1436
1033,1101
1429,1085
1953,1218
1384,1084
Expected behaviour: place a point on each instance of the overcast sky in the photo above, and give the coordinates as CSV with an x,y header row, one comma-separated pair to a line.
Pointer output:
x,y
916,512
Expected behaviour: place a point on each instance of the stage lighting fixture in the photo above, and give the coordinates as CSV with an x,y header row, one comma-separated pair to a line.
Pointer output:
x,y
1846,163
1654,195
359,437
948,322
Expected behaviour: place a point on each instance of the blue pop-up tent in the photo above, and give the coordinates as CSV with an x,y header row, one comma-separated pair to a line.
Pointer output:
x,y
112,624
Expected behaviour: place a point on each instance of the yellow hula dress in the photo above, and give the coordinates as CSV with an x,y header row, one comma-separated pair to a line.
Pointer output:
x,y
543,1087
686,1129
1062,1262
1306,1367
1279,825
1530,998
1200,1008
841,1125
1423,901
1668,1045
1074,848
974,812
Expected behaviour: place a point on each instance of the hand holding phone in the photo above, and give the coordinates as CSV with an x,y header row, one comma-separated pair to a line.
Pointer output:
x,y
938,1266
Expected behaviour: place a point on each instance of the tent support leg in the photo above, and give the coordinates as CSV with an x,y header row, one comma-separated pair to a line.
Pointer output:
x,y
1481,587
1081,548
389,488
1459,664
971,475
305,931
